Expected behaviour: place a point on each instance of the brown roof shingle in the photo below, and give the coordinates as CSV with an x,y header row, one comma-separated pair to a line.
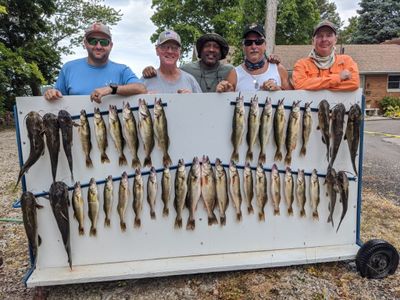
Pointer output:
x,y
376,58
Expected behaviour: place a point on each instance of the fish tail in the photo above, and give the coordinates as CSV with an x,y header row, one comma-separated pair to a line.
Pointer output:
x,y
167,160
191,224
288,158
212,220
81,230
165,211
107,222
222,220
303,150
153,215
147,161
239,216
330,219
262,158
339,225
290,211
261,216
137,222
104,158
89,163
354,166
250,209
178,222
135,163
93,231
249,155
315,215
235,156
302,213
122,224
278,155
19,178
277,212
122,160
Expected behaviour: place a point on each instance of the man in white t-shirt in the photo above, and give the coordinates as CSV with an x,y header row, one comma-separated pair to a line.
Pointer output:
x,y
170,79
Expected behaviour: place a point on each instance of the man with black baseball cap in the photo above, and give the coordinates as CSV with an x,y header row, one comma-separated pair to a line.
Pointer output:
x,y
96,75
208,71
323,68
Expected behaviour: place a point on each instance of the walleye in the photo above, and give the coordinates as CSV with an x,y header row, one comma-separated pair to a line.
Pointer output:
x,y
34,126
116,133
161,131
265,129
253,124
314,193
336,130
180,192
332,189
93,205
307,125
275,189
138,191
108,196
152,186
52,133
279,127
77,205
248,187
343,187
65,123
208,190
261,191
193,192
29,215
123,196
301,192
101,135
146,131
221,186
292,131
323,124
237,127
131,134
352,134
289,190
58,195
84,133
234,189
165,190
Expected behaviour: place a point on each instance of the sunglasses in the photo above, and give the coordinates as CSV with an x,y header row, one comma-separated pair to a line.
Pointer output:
x,y
258,42
103,42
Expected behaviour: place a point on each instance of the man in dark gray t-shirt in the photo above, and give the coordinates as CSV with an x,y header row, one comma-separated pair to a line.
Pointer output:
x,y
208,71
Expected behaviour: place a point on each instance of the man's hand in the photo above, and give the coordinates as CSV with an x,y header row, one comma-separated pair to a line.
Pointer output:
x,y
99,93
184,91
345,75
149,72
270,85
274,59
224,86
52,94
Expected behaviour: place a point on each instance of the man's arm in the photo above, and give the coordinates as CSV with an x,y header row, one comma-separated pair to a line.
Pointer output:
x,y
229,84
283,73
352,81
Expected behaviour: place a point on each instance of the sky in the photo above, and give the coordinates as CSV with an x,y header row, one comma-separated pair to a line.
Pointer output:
x,y
131,36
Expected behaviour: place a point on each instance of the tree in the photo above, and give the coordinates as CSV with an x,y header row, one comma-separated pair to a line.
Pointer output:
x,y
346,35
379,21
30,36
328,11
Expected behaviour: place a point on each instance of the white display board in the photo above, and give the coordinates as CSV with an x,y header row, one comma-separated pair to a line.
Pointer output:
x,y
198,124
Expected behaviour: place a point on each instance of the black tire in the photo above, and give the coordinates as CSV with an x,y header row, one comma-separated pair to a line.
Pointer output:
x,y
377,259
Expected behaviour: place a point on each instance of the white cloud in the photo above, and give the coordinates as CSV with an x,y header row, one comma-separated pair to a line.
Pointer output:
x,y
346,9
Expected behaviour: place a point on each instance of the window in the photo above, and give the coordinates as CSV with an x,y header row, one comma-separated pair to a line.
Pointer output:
x,y
393,82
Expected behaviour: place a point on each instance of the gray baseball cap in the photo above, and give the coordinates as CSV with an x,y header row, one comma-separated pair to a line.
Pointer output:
x,y
98,27
168,35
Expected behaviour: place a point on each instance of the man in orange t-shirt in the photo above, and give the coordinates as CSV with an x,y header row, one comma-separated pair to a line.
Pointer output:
x,y
323,69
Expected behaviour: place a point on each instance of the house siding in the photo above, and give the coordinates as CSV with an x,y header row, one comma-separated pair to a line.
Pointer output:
x,y
375,89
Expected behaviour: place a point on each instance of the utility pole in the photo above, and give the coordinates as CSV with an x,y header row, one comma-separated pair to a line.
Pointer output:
x,y
271,10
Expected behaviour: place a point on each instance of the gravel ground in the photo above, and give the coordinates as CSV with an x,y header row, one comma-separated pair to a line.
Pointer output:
x,y
338,280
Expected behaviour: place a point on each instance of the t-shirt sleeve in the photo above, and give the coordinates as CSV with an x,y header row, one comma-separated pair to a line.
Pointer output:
x,y
129,77
195,85
61,83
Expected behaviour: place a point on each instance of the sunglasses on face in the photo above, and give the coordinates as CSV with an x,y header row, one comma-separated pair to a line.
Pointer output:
x,y
93,41
258,42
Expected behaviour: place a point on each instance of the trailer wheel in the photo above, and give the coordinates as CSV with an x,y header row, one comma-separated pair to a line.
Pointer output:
x,y
377,259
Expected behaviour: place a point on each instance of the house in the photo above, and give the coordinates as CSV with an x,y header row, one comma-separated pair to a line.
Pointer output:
x,y
378,64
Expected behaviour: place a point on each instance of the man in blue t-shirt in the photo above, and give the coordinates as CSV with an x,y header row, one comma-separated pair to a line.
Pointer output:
x,y
96,75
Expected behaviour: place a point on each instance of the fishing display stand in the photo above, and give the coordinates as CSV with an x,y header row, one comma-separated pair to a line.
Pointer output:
x,y
198,124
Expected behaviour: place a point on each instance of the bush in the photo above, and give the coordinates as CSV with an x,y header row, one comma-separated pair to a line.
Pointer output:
x,y
389,102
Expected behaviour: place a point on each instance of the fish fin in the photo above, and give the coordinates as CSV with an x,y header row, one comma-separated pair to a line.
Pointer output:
x,y
323,140
66,219
137,222
235,156
222,220
167,160
81,230
104,158
212,220
165,211
89,163
278,155
93,231
288,159
277,212
107,222
315,215
303,151
262,158
250,209
249,155
147,161
339,225
191,224
302,213
38,206
39,240
122,160
178,222
239,216
122,224
290,211
261,216
153,215
136,163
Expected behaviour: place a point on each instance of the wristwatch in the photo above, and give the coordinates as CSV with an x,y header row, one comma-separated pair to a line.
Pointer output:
x,y
114,88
